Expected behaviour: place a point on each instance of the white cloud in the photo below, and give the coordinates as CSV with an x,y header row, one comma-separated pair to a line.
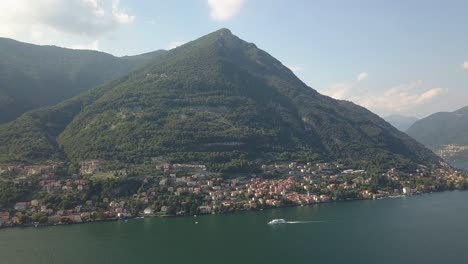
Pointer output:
x,y
295,68
465,65
429,95
175,44
401,98
119,15
346,89
341,90
222,10
94,45
61,21
362,76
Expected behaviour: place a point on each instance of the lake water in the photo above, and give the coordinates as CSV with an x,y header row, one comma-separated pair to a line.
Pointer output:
x,y
420,229
459,164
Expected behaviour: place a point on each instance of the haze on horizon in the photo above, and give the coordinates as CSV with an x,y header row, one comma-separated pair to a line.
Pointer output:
x,y
393,57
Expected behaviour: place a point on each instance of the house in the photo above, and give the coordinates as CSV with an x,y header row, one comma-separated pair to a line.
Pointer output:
x,y
406,190
90,166
22,206
162,182
85,215
324,198
148,211
4,218
167,166
16,220
204,209
75,218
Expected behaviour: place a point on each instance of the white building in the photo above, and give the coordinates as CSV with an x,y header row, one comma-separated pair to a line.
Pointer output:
x,y
406,190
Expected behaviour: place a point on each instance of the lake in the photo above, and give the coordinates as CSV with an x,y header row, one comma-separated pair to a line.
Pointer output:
x,y
419,229
459,164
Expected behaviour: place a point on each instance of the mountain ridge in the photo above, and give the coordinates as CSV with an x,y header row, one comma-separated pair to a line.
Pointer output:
x,y
33,76
446,133
442,128
217,100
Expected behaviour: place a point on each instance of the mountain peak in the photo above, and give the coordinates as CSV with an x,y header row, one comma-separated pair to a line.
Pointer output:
x,y
223,31
222,34
219,101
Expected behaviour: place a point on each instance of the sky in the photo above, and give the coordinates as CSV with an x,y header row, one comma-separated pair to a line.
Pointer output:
x,y
392,57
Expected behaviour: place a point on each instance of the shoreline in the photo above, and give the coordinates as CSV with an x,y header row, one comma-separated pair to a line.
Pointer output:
x,y
32,225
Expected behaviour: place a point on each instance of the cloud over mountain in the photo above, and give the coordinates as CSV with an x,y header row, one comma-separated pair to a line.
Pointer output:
x,y
83,21
395,99
222,10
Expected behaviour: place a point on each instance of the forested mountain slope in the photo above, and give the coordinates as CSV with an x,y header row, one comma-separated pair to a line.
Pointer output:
x,y
217,100
33,76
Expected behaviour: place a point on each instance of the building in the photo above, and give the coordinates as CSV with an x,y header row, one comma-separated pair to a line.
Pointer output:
x,y
204,209
406,190
22,206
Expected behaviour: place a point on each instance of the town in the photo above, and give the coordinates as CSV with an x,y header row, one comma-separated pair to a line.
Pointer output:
x,y
451,150
189,189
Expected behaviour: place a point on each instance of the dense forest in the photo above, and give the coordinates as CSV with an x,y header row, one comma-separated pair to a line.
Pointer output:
x,y
33,76
442,129
217,100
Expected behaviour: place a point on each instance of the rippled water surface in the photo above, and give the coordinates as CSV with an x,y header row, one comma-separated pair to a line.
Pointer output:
x,y
420,229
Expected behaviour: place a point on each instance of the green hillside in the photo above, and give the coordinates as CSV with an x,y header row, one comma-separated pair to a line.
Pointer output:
x,y
219,101
33,76
442,128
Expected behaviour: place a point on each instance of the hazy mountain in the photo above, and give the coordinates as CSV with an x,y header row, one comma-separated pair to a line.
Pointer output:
x,y
217,100
33,76
401,122
444,128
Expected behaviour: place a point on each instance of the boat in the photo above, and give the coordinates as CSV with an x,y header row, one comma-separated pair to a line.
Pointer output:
x,y
277,222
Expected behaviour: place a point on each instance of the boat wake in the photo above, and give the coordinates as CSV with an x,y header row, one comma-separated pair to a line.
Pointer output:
x,y
282,222
304,222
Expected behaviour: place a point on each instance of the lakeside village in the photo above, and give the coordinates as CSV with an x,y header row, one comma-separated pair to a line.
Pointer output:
x,y
41,196
450,151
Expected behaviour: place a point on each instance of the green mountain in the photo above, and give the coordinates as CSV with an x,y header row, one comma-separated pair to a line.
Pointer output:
x,y
33,76
217,100
444,128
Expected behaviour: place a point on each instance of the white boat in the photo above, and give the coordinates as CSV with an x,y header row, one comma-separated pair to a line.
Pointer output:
x,y
277,222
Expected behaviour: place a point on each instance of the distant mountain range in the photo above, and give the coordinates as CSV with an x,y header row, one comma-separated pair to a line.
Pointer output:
x,y
217,100
33,76
441,129
401,122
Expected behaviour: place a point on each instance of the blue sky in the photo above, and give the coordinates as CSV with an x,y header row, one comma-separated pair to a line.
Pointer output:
x,y
403,57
